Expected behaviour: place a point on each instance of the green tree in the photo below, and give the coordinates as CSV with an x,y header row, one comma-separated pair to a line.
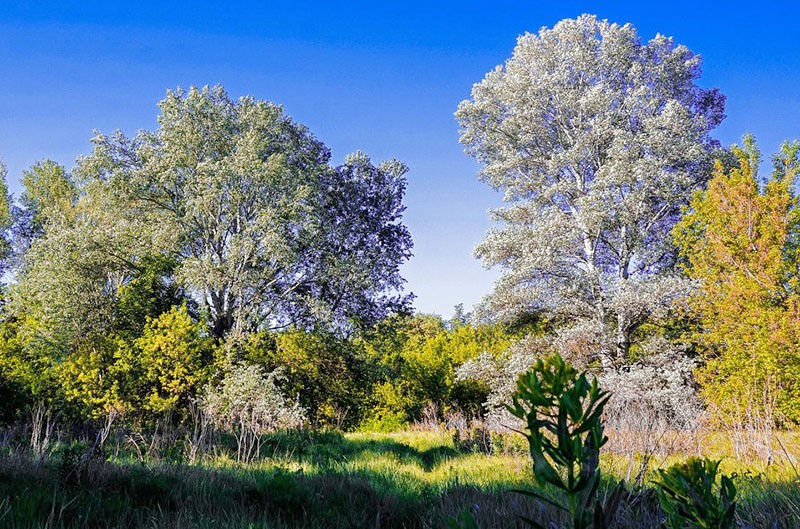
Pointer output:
x,y
740,242
325,372
430,366
48,198
149,293
31,373
76,270
5,218
264,233
49,194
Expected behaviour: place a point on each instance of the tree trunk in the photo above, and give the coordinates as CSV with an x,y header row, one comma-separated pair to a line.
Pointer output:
x,y
624,327
623,338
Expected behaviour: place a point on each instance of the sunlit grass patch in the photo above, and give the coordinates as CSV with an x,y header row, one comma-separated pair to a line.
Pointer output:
x,y
330,480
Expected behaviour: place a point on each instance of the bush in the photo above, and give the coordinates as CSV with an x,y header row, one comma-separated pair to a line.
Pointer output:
x,y
248,404
691,497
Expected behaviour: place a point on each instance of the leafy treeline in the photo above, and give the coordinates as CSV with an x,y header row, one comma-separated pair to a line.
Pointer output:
x,y
219,257
384,378
101,325
648,246
220,268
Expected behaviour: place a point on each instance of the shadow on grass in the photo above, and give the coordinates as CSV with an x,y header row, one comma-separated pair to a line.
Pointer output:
x,y
98,494
70,492
65,493
324,449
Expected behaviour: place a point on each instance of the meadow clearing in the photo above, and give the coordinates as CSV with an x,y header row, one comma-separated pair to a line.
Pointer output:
x,y
408,479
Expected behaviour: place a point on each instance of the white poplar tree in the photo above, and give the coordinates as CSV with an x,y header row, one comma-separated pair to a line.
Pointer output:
x,y
597,139
264,231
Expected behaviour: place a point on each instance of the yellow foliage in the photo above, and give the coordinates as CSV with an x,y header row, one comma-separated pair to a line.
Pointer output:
x,y
174,354
95,375
740,242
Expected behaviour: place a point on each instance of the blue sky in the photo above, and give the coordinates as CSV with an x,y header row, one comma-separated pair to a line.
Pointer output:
x,y
382,78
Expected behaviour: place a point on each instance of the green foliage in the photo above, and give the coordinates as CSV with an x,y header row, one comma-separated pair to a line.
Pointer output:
x,y
149,293
740,242
77,268
562,411
28,364
49,194
431,363
417,358
175,354
154,372
692,497
5,214
325,372
389,414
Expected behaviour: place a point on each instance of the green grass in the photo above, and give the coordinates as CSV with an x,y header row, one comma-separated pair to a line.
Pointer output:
x,y
398,480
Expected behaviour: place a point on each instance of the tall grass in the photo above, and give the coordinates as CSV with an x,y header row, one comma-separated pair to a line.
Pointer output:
x,y
328,480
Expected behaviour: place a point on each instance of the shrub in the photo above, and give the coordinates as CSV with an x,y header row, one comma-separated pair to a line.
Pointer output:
x,y
174,353
562,411
248,404
500,373
691,497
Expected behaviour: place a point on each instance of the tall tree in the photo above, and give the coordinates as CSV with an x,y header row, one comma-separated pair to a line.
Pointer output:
x,y
597,140
5,219
48,196
265,233
742,244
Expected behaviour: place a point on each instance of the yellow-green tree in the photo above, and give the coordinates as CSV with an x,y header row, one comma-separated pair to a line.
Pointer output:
x,y
28,377
92,376
175,358
740,242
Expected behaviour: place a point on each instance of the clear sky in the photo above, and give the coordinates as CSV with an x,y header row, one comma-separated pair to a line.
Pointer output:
x,y
384,78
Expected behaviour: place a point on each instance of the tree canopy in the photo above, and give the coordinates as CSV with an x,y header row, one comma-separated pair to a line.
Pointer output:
x,y
261,230
740,242
597,140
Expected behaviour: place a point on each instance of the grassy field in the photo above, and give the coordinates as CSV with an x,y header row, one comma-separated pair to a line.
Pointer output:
x,y
407,479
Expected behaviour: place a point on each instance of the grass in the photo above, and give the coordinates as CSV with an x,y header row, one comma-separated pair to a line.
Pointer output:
x,y
399,480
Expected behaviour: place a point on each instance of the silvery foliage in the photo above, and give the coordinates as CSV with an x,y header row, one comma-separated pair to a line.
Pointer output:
x,y
265,232
597,140
73,270
657,390
248,396
500,373
248,404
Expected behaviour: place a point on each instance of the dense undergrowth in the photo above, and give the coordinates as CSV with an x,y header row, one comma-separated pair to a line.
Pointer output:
x,y
398,480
